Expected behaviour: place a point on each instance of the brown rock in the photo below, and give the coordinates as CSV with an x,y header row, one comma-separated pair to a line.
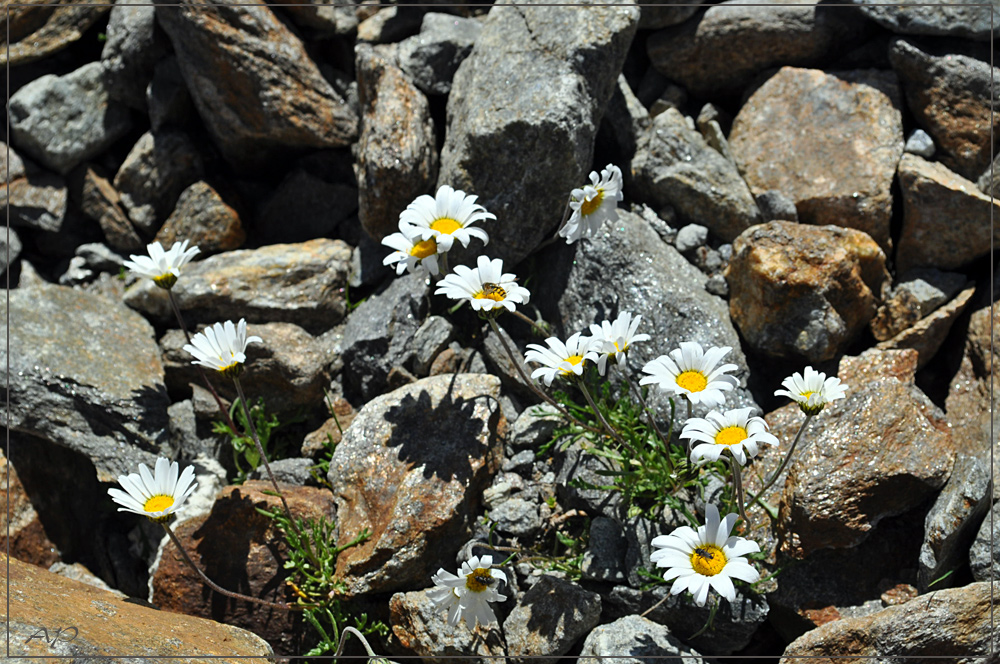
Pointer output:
x,y
253,83
946,219
316,441
422,629
859,470
949,95
21,531
699,54
205,220
37,201
241,550
953,623
840,137
11,165
397,159
100,201
803,291
411,469
927,335
39,28
294,283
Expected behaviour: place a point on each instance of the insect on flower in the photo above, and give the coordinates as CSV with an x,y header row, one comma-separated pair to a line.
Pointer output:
x,y
494,289
704,553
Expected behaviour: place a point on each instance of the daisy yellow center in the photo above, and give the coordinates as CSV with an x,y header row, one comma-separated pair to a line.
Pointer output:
x,y
479,580
589,207
692,381
806,395
424,248
231,370
708,559
731,436
166,280
158,503
491,292
574,360
445,225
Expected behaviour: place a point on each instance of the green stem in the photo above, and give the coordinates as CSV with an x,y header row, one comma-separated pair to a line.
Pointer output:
x,y
538,328
443,267
652,419
738,488
600,417
784,463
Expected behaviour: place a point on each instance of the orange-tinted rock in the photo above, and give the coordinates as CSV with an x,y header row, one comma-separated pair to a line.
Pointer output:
x,y
80,621
803,291
927,334
205,220
411,469
829,142
100,201
241,550
22,534
40,28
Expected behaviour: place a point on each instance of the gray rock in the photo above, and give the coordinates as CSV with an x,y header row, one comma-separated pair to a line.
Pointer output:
x,y
920,143
775,205
367,268
11,165
663,15
432,57
292,283
167,96
155,172
575,467
624,119
338,17
501,364
38,201
379,334
534,427
205,220
418,500
421,628
432,337
98,199
62,120
674,166
131,51
930,288
292,106
76,272
951,523
518,517
522,461
10,249
522,145
632,640
549,618
304,207
718,286
690,238
186,438
984,557
397,155
913,17
44,30
605,559
100,394
295,471
639,533
100,257
708,124
390,24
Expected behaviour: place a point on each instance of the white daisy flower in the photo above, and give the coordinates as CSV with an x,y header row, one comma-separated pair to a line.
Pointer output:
x,y
468,595
691,372
813,391
412,254
486,287
446,217
222,347
593,204
734,430
615,339
708,557
163,267
560,359
156,495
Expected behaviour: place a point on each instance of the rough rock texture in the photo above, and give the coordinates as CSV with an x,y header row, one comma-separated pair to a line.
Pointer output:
x,y
255,87
38,200
204,219
915,295
431,58
928,334
52,616
650,279
422,629
239,549
290,283
915,17
840,142
984,557
524,109
132,48
41,29
63,120
953,623
411,469
946,219
675,166
99,200
949,94
858,471
99,393
672,12
804,291
699,54
397,158
549,618
23,534
633,639
304,207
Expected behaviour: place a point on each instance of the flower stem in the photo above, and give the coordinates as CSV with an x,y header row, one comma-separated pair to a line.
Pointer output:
x,y
216,587
443,268
343,639
531,384
652,420
204,377
738,489
788,457
597,411
538,328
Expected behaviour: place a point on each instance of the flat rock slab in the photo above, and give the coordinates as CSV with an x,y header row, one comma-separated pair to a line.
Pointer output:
x,y
85,373
288,283
411,469
52,616
916,17
255,86
840,137
38,30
